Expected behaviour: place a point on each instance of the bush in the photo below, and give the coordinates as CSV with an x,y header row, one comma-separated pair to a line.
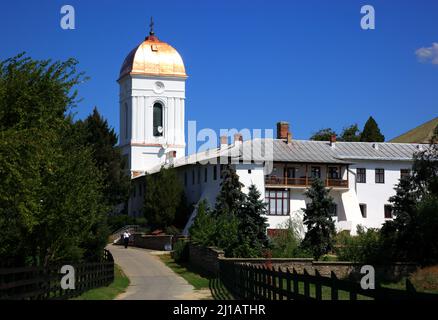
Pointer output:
x,y
425,279
366,247
287,243
180,251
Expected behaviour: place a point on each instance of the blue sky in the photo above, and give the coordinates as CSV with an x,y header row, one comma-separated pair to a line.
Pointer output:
x,y
251,63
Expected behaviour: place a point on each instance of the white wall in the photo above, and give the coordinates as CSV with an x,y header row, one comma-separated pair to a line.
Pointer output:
x,y
376,195
140,93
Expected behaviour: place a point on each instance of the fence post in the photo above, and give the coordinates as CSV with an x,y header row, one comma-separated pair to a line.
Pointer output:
x,y
295,280
334,288
280,284
306,284
288,286
318,288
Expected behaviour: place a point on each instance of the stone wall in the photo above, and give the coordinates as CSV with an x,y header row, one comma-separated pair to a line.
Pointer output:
x,y
205,258
157,242
342,269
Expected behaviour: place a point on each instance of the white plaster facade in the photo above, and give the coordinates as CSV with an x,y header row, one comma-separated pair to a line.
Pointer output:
x,y
138,94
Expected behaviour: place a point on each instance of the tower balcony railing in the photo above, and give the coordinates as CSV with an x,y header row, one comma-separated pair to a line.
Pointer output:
x,y
272,180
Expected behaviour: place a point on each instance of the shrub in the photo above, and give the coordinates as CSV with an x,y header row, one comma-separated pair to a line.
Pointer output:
x,y
180,251
287,242
366,247
425,279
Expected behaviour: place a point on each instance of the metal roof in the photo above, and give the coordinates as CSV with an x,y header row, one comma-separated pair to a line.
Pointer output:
x,y
305,151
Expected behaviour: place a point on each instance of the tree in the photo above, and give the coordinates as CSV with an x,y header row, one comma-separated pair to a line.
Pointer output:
x,y
51,203
323,134
163,196
411,236
252,223
350,134
203,228
371,132
103,140
317,219
230,198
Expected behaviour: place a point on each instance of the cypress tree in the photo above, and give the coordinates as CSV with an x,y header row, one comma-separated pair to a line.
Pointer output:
x,y
371,132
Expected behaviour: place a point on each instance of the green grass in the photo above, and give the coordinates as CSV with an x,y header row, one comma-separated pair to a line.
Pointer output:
x,y
120,283
197,278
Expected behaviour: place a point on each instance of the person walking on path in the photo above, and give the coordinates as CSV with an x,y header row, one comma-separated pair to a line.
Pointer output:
x,y
126,236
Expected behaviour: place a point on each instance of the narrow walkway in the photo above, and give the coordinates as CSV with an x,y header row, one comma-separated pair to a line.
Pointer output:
x,y
150,279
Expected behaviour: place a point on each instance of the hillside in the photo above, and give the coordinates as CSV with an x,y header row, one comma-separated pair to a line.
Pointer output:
x,y
420,134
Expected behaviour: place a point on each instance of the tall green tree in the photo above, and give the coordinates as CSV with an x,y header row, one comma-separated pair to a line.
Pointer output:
x,y
411,236
317,219
163,196
323,134
230,198
103,141
202,230
253,223
51,205
371,132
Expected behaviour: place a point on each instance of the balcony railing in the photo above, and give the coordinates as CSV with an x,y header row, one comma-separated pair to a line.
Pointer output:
x,y
304,182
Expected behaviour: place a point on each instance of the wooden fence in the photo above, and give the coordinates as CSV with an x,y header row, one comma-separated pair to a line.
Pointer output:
x,y
44,283
251,282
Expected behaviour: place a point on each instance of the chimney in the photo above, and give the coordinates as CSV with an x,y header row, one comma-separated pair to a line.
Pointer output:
x,y
238,139
332,140
282,130
289,138
224,142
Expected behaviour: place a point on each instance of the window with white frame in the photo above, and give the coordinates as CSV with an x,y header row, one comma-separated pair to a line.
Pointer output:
x,y
278,202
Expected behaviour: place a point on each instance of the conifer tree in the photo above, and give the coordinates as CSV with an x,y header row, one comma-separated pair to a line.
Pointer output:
x,y
371,132
317,219
103,141
252,221
230,198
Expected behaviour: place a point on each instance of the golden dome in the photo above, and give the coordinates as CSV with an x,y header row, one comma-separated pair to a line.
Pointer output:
x,y
154,58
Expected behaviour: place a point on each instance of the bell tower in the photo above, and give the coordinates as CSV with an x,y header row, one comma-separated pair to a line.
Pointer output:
x,y
152,95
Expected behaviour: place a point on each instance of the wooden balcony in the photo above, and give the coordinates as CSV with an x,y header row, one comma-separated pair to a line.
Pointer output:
x,y
303,182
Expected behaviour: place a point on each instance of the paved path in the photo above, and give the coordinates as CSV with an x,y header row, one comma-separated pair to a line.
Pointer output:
x,y
150,279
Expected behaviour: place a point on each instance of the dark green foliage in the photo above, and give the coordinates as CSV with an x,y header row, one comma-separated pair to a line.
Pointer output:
x,y
51,199
350,134
317,219
323,134
412,235
253,222
203,229
371,132
103,141
366,247
236,227
287,243
180,251
163,196
231,197
116,222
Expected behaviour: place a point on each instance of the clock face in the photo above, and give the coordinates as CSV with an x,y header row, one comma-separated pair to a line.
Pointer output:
x,y
159,87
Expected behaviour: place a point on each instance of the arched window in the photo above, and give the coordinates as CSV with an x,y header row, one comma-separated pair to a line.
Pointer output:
x,y
158,119
126,122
